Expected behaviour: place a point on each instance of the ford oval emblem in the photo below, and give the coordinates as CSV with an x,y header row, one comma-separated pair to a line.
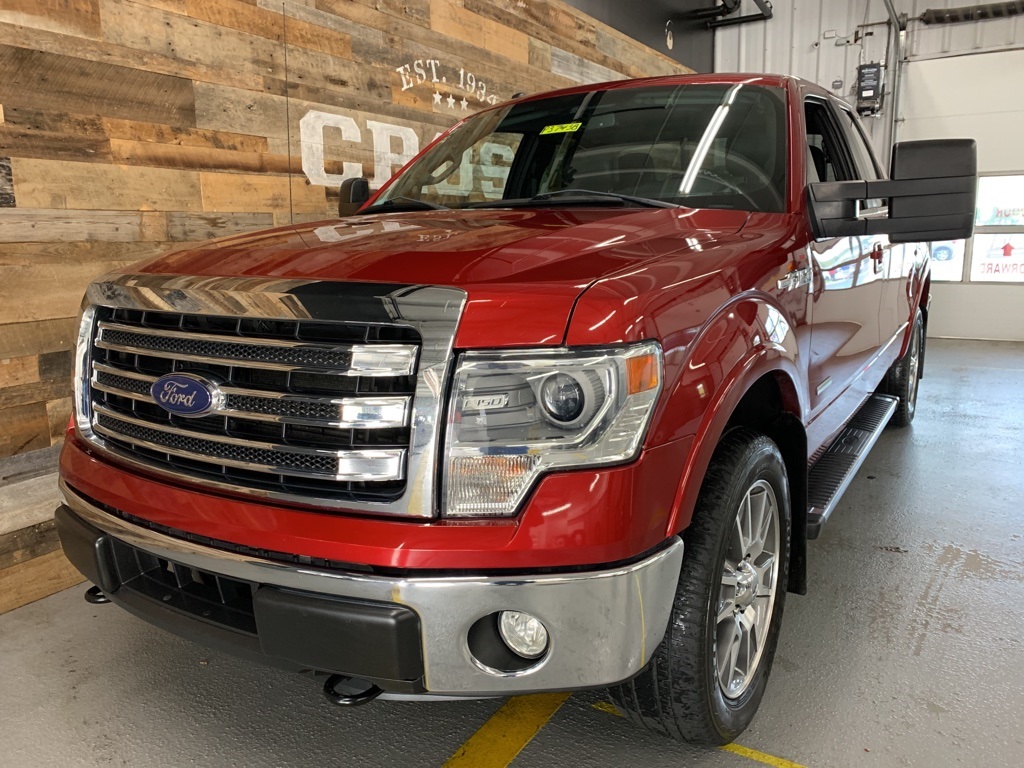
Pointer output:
x,y
185,394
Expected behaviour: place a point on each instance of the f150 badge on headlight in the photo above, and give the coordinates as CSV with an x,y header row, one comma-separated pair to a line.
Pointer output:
x,y
184,394
484,402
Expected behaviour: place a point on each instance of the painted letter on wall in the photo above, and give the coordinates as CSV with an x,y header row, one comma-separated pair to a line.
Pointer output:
x,y
311,132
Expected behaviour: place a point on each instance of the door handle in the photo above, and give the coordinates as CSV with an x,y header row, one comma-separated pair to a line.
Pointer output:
x,y
876,257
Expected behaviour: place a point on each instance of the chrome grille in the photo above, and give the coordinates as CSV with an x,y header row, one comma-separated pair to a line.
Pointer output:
x,y
350,360
175,442
306,411
330,392
266,457
367,412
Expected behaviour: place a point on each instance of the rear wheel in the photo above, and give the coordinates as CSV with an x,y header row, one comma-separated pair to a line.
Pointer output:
x,y
903,379
708,675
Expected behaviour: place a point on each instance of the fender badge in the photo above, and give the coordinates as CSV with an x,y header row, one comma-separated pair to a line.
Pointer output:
x,y
796,279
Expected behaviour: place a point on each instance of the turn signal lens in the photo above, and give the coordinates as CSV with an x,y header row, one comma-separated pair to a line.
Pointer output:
x,y
642,373
487,485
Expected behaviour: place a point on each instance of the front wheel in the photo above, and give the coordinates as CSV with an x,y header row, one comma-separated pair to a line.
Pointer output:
x,y
708,675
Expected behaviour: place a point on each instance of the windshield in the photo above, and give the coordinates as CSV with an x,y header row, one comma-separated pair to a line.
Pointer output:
x,y
702,146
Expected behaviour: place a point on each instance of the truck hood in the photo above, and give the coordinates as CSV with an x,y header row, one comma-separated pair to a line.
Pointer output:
x,y
522,269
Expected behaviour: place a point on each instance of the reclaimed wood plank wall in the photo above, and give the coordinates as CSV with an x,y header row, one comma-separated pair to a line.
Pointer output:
x,y
130,127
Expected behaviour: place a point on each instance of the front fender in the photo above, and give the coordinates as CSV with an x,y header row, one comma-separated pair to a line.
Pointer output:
x,y
709,367
919,284
744,342
714,423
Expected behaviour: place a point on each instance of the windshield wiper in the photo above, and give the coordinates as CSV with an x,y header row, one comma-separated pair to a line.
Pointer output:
x,y
407,202
583,194
646,202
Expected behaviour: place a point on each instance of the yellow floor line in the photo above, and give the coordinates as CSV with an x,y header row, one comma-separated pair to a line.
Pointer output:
x,y
736,749
761,757
604,706
507,731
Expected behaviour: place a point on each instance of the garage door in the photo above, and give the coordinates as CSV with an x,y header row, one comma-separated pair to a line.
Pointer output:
x,y
978,286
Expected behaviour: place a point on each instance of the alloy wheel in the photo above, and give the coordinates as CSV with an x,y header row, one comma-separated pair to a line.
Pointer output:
x,y
746,597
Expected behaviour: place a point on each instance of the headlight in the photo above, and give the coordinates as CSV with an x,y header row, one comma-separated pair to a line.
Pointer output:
x,y
83,371
562,398
515,415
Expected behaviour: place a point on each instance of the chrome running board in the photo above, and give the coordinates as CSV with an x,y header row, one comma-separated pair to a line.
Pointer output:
x,y
832,474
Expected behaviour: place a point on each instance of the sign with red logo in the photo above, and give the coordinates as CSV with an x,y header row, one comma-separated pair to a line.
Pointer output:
x,y
998,258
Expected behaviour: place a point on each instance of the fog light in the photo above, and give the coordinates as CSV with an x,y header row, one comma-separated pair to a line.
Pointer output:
x,y
523,633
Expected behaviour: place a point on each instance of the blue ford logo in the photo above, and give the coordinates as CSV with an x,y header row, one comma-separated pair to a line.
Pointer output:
x,y
186,395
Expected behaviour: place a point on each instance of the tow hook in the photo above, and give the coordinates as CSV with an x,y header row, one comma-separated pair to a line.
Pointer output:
x,y
95,596
348,699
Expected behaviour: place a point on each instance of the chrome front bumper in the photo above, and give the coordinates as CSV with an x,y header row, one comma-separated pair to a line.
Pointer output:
x,y
603,625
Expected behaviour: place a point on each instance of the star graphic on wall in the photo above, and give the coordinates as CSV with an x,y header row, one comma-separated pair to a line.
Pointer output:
x,y
437,97
464,103
451,102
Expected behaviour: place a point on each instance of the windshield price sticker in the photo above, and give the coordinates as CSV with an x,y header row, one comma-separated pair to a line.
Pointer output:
x,y
563,128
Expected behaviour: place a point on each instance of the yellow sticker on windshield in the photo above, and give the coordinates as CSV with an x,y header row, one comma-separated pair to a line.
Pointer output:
x,y
563,128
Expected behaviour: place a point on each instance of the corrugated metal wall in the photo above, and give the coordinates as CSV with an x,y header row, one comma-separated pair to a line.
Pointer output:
x,y
814,39
956,39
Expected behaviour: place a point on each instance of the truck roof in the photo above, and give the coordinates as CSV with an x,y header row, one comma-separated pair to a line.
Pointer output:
x,y
778,81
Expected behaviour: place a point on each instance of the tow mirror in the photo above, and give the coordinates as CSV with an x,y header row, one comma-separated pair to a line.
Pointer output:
x,y
354,192
931,195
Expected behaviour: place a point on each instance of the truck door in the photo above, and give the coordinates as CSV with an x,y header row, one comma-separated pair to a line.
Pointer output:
x,y
847,286
887,259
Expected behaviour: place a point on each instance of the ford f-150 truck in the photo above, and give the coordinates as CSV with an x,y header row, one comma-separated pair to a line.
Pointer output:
x,y
558,408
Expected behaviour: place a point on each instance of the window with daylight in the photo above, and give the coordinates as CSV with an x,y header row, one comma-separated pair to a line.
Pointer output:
x,y
997,248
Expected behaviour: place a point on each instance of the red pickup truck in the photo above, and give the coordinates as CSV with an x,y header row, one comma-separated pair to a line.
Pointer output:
x,y
558,408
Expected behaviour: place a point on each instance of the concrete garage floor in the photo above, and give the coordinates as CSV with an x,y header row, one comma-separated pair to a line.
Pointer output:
x,y
907,651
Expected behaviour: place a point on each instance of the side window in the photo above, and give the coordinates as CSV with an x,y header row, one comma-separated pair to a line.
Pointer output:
x,y
866,168
862,158
827,155
837,152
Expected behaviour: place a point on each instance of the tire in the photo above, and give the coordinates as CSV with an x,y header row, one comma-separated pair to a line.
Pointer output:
x,y
904,377
681,692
